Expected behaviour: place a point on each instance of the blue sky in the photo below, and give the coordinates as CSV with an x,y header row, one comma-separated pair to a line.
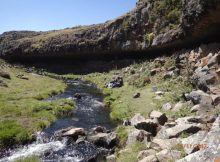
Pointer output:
x,y
42,15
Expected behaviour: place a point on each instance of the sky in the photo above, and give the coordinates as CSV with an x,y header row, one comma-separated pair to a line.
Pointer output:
x,y
43,15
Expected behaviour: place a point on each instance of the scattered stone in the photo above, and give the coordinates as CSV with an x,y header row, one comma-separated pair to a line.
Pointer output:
x,y
146,153
178,106
115,83
171,68
3,84
168,75
77,96
154,71
146,81
136,95
5,75
215,99
195,108
99,129
138,136
214,90
22,76
106,140
161,117
126,122
159,93
111,158
167,106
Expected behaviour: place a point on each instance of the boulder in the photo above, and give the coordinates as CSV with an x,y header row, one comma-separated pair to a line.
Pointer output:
x,y
196,96
115,82
211,151
111,158
161,117
166,143
159,93
136,95
22,76
195,108
137,119
189,125
146,153
214,90
154,71
5,75
138,136
3,84
99,129
148,125
163,156
216,99
106,140
74,132
167,106
193,143
178,106
213,60
150,158
77,96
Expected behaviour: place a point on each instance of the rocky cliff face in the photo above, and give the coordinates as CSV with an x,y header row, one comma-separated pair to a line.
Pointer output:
x,y
153,23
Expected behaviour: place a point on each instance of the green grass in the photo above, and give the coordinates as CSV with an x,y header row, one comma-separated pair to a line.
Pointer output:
x,y
122,134
22,102
121,100
132,152
29,159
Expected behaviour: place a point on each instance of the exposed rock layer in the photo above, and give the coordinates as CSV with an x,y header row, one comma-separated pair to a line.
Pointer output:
x,y
138,30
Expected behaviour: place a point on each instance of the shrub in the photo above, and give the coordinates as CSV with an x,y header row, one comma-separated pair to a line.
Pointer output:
x,y
149,37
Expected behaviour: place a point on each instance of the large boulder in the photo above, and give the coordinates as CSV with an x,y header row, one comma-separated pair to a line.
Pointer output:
x,y
160,117
212,151
196,96
146,153
5,75
193,143
107,140
163,156
138,136
74,132
116,82
139,122
189,125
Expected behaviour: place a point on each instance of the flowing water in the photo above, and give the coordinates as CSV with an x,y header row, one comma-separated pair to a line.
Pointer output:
x,y
88,114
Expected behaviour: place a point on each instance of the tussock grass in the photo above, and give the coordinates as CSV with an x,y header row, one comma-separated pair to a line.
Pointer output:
x,y
22,108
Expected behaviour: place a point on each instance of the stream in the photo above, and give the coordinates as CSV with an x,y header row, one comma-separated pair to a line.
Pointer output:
x,y
89,113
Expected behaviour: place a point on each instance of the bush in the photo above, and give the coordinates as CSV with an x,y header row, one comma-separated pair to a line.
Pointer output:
x,y
149,37
11,133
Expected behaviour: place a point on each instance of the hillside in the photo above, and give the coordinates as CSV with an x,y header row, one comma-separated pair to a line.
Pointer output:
x,y
153,24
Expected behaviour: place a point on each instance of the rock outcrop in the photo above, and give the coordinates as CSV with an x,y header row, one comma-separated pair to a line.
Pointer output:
x,y
151,25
